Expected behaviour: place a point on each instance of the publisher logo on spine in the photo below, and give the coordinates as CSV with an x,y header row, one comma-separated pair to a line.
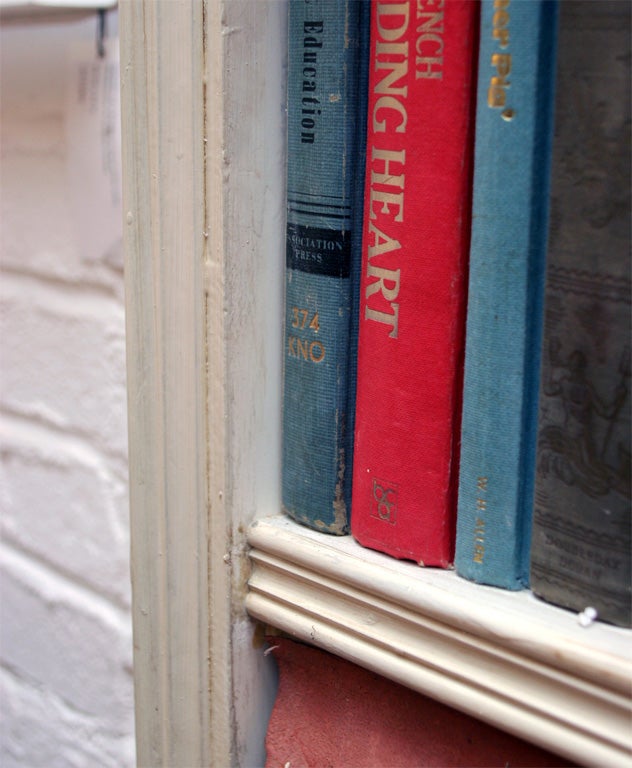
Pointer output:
x,y
384,501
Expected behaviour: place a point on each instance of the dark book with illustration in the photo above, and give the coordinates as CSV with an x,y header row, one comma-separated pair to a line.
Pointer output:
x,y
581,530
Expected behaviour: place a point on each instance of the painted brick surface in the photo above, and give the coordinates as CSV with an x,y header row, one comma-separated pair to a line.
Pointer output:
x,y
65,630
85,514
38,729
60,637
63,359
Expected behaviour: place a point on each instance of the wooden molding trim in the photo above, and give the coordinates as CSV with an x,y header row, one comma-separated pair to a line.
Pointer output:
x,y
505,658
172,98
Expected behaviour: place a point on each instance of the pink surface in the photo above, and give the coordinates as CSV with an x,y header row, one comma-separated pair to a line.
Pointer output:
x,y
331,713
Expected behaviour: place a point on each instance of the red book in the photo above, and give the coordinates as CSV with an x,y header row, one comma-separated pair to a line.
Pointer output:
x,y
414,276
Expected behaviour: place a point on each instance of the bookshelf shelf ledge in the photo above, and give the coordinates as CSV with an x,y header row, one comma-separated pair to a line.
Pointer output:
x,y
503,657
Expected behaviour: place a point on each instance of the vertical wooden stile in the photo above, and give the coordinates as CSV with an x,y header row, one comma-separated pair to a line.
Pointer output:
x,y
175,383
203,131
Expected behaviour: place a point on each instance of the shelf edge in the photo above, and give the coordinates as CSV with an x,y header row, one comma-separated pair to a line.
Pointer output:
x,y
423,629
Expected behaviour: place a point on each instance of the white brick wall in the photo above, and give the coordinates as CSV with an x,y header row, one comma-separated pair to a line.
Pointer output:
x,y
65,637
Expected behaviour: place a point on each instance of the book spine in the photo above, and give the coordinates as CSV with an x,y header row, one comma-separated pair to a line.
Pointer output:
x,y
412,292
581,552
514,119
326,107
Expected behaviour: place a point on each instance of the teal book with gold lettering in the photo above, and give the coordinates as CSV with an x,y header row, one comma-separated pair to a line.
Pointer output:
x,y
326,103
512,154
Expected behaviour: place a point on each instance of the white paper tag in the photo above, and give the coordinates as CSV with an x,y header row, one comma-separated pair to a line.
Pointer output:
x,y
93,135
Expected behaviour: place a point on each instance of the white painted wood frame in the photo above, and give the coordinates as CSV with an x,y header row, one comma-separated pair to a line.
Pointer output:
x,y
203,138
203,121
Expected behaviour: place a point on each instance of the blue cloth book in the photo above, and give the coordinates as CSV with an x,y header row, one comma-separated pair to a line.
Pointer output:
x,y
512,157
327,71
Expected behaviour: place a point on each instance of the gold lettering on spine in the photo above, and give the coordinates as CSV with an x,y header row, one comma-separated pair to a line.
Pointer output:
x,y
398,70
498,84
429,43
500,61
310,351
388,199
304,349
386,192
387,156
393,57
389,14
479,524
389,103
381,243
500,22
